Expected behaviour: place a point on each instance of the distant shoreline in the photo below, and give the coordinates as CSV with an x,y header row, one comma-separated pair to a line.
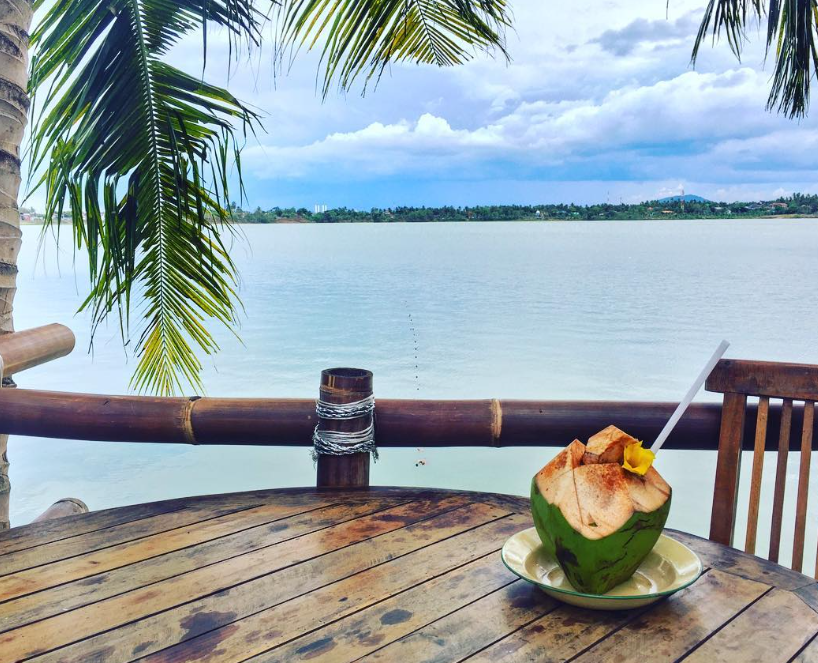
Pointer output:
x,y
291,222
688,207
769,217
692,207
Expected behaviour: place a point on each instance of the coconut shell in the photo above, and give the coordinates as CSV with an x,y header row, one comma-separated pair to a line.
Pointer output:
x,y
596,566
598,519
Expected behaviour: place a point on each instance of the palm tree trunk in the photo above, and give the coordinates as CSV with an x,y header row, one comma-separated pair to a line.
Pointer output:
x,y
15,21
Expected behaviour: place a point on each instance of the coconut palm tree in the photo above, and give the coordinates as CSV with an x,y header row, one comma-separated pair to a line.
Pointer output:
x,y
791,36
15,19
137,153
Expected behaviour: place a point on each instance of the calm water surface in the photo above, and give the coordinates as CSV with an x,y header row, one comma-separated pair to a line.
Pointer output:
x,y
578,310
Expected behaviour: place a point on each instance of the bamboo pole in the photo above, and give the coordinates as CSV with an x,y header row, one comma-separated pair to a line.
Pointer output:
x,y
68,506
19,351
399,423
32,347
5,484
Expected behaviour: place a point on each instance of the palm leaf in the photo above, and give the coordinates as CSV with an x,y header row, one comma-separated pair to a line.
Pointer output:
x,y
140,151
362,37
792,30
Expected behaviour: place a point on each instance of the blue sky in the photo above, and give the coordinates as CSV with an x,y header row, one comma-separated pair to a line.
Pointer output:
x,y
598,102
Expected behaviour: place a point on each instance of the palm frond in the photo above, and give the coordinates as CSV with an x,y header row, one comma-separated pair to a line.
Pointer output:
x,y
362,37
792,30
140,151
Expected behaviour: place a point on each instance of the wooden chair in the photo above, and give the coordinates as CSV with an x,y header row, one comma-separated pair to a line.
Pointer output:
x,y
738,380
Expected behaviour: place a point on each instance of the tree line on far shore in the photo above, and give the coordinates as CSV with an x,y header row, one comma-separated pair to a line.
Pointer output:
x,y
795,205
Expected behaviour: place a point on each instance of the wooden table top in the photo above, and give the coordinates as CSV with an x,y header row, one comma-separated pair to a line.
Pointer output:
x,y
384,574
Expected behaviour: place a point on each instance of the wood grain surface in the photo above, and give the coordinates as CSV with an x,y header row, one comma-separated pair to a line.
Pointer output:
x,y
375,575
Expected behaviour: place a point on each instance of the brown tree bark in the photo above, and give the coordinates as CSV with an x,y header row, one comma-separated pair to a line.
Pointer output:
x,y
15,21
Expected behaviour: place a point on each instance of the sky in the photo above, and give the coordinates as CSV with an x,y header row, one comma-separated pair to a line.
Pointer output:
x,y
599,102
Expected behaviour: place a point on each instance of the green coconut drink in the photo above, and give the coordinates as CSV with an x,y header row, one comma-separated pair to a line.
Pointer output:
x,y
599,509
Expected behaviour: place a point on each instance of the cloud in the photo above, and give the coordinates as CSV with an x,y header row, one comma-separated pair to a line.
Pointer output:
x,y
643,33
598,97
787,150
377,149
670,129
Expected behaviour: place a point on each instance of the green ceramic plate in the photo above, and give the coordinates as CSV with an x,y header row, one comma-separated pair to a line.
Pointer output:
x,y
669,567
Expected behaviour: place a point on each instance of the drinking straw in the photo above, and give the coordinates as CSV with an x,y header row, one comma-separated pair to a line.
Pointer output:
x,y
691,393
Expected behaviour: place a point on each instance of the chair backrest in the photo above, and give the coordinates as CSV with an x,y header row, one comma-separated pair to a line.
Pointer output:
x,y
738,380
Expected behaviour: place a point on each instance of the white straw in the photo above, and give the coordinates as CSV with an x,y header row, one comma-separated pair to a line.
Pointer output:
x,y
674,419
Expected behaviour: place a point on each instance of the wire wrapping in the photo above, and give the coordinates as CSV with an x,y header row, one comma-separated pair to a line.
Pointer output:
x,y
352,410
342,443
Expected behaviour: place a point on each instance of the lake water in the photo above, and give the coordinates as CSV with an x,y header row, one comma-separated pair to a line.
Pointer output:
x,y
568,310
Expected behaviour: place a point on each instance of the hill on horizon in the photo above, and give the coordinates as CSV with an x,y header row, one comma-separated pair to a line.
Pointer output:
x,y
688,198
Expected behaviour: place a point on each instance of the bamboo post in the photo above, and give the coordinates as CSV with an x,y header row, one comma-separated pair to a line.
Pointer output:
x,y
68,506
31,347
18,352
341,386
5,481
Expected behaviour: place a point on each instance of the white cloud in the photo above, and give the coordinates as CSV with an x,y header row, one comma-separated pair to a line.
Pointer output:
x,y
377,149
644,33
672,127
791,148
600,92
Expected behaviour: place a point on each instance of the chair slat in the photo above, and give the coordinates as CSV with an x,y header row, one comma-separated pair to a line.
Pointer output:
x,y
758,469
780,479
723,515
803,487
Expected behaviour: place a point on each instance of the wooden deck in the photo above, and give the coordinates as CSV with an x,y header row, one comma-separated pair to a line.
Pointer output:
x,y
383,574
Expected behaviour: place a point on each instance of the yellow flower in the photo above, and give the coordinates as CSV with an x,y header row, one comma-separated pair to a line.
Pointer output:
x,y
637,459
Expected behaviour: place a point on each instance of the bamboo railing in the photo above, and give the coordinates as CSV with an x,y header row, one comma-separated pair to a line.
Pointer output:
x,y
20,351
290,422
400,423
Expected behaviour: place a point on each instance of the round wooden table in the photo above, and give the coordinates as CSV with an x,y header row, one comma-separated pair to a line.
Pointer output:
x,y
383,574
